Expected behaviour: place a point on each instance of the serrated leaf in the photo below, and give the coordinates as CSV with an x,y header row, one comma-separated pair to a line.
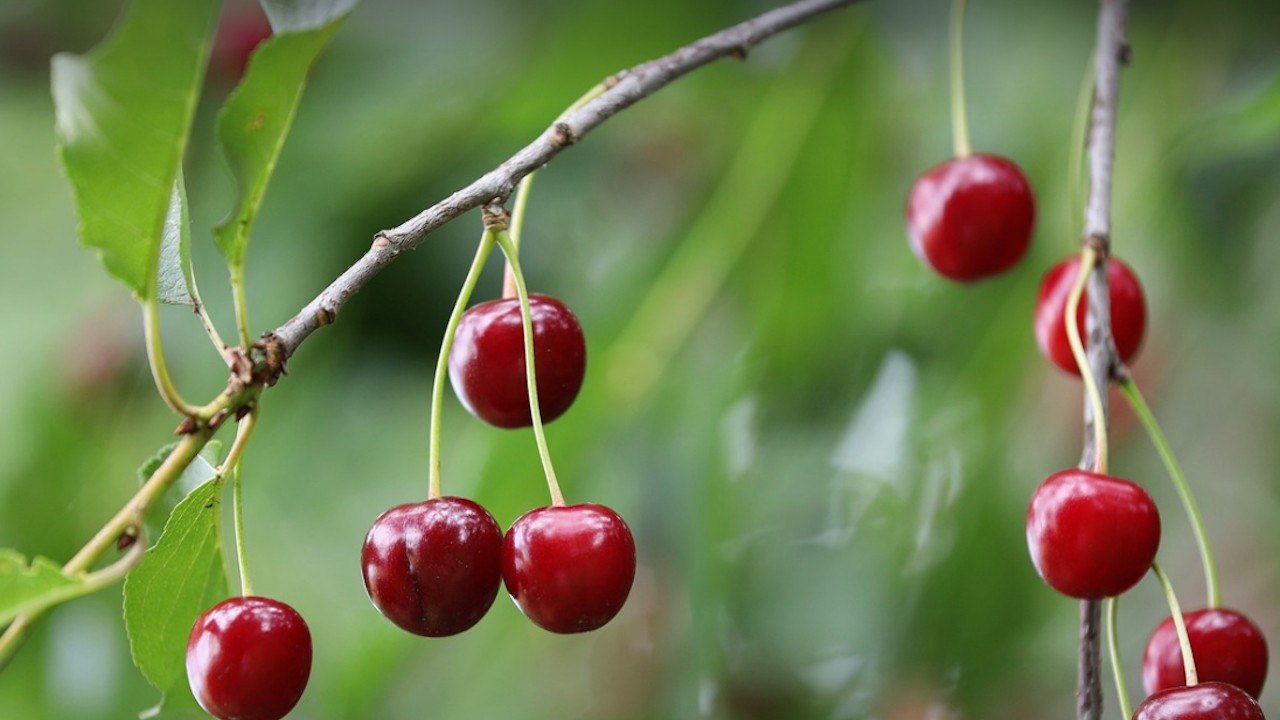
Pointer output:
x,y
123,116
30,587
255,121
200,470
178,578
175,281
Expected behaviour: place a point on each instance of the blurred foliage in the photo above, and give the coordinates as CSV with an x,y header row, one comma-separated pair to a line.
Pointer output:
x,y
824,450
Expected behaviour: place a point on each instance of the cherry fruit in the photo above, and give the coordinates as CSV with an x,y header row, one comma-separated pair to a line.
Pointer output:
x,y
1128,312
248,658
487,368
971,217
433,568
1226,645
1091,535
569,568
1206,701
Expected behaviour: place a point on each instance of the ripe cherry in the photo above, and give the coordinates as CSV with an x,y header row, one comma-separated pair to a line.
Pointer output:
x,y
1226,645
248,658
434,567
1128,312
1206,701
1092,536
569,568
971,217
487,368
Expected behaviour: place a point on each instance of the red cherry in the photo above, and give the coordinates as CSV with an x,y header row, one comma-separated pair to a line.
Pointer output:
x,y
1092,536
569,569
971,217
486,362
1206,701
242,28
248,658
1128,312
1226,645
434,567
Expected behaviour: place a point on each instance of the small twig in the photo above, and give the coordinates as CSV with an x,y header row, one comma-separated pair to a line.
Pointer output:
x,y
622,90
1111,51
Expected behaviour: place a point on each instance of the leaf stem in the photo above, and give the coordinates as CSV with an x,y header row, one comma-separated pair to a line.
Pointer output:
x,y
1184,642
1131,393
1088,258
504,240
155,356
959,111
1117,665
240,302
517,226
442,363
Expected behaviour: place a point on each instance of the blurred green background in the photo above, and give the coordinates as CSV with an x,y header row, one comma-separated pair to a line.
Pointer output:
x,y
824,450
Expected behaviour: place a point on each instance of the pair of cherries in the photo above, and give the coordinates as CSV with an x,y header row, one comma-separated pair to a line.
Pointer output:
x,y
434,568
1093,536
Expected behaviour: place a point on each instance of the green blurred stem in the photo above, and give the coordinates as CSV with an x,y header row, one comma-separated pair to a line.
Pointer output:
x,y
1188,662
155,356
1117,664
517,226
1088,258
959,110
1139,405
1079,131
557,499
232,465
442,363
241,305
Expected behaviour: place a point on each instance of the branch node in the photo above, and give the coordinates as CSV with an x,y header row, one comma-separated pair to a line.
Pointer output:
x,y
1101,244
495,216
187,427
562,136
1125,54
739,52
381,241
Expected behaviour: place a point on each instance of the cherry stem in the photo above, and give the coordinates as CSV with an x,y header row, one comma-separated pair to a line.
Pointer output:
x,y
442,363
1117,665
504,240
232,465
959,113
1079,132
1188,661
1131,393
517,226
1088,258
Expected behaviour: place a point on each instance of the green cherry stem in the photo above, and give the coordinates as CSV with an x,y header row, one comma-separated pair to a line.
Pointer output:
x,y
1188,661
959,112
1088,258
232,465
1117,665
1079,132
442,363
517,226
1131,393
504,240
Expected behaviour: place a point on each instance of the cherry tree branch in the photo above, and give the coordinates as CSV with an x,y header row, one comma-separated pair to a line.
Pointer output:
x,y
622,91
1111,52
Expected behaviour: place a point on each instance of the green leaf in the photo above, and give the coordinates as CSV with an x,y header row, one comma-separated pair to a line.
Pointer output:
x,y
179,578
255,121
200,470
123,118
175,279
30,587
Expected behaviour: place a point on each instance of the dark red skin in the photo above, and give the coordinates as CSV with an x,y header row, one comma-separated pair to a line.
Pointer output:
x,y
1206,701
486,362
248,658
241,29
1226,645
433,568
1092,536
570,568
1128,312
971,217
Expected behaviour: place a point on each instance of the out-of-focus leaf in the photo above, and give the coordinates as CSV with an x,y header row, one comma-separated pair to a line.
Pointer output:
x,y
255,121
178,578
123,118
30,587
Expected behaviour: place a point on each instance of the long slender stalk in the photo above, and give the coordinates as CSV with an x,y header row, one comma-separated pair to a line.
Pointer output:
x,y
1184,642
155,357
959,107
1117,663
1088,259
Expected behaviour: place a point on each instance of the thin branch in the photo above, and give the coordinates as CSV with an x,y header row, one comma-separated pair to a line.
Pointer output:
x,y
1112,51
623,90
